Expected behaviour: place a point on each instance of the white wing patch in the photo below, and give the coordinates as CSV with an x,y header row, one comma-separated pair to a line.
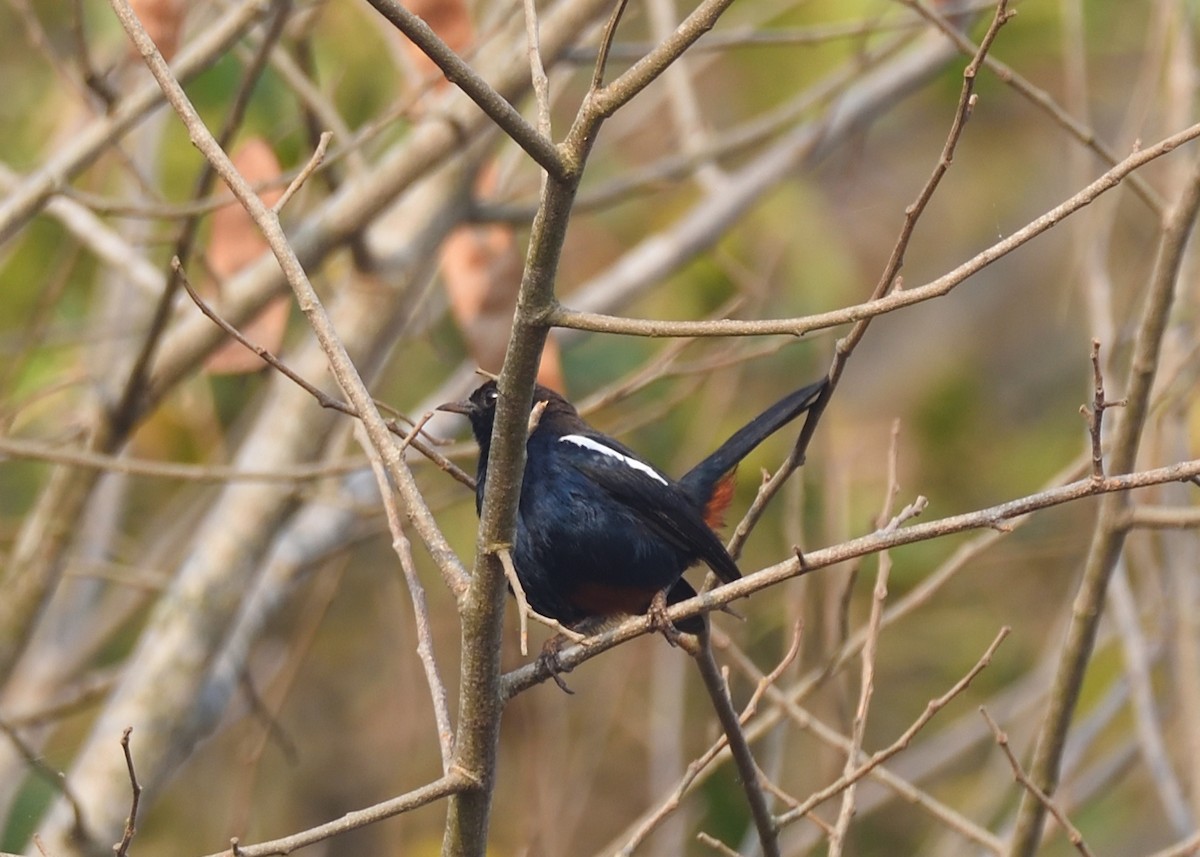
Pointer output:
x,y
596,446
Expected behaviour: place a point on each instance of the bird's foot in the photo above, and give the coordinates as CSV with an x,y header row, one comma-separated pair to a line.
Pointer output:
x,y
548,660
659,621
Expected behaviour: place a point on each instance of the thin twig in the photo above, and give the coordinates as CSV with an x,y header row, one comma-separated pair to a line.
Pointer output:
x,y
608,99
458,72
1095,414
1044,799
867,765
451,783
524,611
39,187
341,366
697,765
33,450
122,847
314,162
1108,533
715,844
537,70
323,399
1039,98
416,593
788,706
132,400
562,316
606,43
55,779
518,591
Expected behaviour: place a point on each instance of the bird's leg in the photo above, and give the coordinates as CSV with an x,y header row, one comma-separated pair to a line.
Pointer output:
x,y
659,621
548,660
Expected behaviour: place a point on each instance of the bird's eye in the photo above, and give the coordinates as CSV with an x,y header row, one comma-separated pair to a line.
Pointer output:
x,y
492,395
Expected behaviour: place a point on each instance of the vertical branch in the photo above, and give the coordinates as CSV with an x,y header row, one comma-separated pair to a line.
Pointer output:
x,y
482,608
1108,537
739,746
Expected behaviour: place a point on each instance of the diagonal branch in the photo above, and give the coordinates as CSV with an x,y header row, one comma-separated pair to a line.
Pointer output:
x,y
564,317
536,145
993,517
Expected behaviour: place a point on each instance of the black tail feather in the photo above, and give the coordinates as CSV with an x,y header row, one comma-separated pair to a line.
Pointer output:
x,y
701,480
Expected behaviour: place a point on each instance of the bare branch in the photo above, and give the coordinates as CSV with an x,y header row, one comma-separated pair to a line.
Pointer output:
x,y
1040,796
537,146
314,162
122,847
453,782
718,693
864,767
564,317
989,518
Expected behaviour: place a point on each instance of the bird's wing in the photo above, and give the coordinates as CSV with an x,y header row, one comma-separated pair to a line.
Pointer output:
x,y
656,500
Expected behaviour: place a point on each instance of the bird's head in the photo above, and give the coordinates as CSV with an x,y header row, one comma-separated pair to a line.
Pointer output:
x,y
480,408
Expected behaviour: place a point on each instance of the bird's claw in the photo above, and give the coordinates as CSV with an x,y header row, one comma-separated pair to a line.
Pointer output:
x,y
548,660
660,621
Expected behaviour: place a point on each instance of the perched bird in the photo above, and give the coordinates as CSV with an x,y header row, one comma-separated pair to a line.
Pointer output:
x,y
601,532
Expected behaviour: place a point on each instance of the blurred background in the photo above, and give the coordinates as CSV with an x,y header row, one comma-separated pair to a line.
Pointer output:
x,y
258,634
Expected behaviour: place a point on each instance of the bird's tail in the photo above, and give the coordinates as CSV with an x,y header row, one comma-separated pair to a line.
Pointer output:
x,y
710,483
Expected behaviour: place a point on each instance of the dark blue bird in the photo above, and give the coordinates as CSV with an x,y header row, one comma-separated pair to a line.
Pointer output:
x,y
601,532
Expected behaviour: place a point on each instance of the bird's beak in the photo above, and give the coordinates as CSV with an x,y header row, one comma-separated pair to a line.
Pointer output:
x,y
463,407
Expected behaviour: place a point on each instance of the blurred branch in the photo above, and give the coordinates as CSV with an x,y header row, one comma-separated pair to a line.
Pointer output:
x,y
1162,517
322,398
102,240
837,838
48,774
945,814
40,451
864,766
656,257
86,146
267,220
1148,726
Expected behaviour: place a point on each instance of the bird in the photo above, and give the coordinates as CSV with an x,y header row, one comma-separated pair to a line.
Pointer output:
x,y
600,531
